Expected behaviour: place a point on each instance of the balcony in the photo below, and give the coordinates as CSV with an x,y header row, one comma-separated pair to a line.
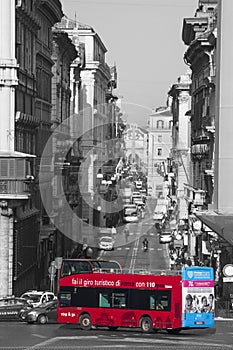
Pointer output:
x,y
194,195
15,175
14,189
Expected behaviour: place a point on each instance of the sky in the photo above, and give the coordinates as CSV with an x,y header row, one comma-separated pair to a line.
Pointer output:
x,y
144,40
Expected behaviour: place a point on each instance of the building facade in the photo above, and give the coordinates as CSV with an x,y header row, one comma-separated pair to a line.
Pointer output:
x,y
210,213
26,122
180,172
160,143
136,145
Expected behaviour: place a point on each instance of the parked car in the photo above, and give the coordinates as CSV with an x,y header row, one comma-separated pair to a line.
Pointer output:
x,y
11,306
45,313
35,298
106,243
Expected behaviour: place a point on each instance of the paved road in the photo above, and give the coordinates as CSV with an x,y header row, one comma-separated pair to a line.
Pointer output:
x,y
17,335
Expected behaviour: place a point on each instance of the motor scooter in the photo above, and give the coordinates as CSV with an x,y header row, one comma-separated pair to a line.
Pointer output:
x,y
145,246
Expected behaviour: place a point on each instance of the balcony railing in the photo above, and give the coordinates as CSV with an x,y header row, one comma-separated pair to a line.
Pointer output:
x,y
14,189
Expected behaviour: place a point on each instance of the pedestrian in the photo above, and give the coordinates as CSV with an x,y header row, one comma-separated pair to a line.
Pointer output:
x,y
114,231
126,232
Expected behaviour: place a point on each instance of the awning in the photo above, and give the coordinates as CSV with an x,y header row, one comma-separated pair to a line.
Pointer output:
x,y
220,223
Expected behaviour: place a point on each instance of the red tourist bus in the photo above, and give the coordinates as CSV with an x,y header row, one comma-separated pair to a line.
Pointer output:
x,y
130,300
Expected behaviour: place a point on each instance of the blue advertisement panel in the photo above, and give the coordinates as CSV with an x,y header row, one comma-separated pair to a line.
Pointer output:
x,y
197,297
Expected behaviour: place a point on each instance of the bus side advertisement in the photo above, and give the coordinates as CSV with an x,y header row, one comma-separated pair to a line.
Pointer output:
x,y
198,297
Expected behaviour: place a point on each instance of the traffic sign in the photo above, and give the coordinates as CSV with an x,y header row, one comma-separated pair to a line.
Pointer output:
x,y
228,279
228,270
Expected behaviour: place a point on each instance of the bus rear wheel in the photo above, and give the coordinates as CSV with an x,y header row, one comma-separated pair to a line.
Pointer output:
x,y
146,324
85,322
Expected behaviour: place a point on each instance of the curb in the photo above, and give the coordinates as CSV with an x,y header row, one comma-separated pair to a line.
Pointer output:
x,y
223,319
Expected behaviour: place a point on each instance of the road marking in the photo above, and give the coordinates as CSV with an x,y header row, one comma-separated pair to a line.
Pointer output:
x,y
134,256
146,340
39,335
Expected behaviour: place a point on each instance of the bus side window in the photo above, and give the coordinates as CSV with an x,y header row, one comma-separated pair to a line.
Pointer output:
x,y
152,302
119,300
104,300
65,299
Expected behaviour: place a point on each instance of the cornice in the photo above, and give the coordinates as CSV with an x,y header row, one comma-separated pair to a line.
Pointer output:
x,y
198,48
52,9
188,31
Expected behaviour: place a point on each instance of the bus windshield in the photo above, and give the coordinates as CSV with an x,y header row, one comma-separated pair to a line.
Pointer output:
x,y
79,266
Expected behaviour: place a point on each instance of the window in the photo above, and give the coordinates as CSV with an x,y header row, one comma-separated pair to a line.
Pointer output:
x,y
112,299
159,151
160,124
170,124
159,138
70,268
65,299
104,300
163,300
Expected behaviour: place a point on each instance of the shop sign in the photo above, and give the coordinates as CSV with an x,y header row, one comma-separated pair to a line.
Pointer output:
x,y
228,279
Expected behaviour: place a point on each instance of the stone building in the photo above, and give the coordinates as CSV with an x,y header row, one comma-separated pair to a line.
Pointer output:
x,y
208,56
26,121
136,146
96,118
180,163
160,143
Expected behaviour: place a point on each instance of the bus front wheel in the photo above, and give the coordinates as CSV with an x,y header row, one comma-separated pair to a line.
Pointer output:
x,y
146,324
85,322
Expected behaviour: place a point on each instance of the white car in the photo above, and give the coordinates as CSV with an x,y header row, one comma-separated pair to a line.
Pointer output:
x,y
130,213
36,298
165,237
106,243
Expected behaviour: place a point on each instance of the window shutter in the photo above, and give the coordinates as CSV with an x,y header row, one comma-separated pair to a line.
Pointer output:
x,y
20,168
4,167
11,168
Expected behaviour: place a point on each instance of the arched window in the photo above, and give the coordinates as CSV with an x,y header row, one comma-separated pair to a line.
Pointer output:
x,y
160,124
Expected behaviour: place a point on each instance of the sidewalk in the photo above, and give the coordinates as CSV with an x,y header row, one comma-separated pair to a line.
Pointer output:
x,y
223,319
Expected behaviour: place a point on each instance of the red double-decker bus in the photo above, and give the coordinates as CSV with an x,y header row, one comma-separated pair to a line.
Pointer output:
x,y
127,300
